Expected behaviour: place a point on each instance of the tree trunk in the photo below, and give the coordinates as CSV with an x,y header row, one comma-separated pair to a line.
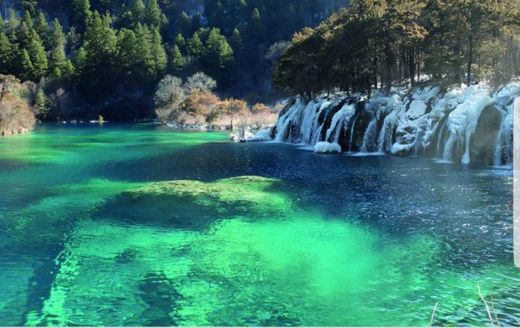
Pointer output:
x,y
470,60
389,61
411,67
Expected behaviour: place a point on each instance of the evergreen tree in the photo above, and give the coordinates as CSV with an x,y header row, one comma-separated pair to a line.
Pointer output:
x,y
42,28
145,58
218,52
195,45
184,24
153,14
180,42
127,45
99,71
7,54
38,57
13,22
28,5
138,11
159,53
177,60
80,14
27,19
40,102
58,59
236,41
26,66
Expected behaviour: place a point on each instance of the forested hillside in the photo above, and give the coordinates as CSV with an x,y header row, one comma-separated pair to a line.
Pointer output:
x,y
378,44
106,56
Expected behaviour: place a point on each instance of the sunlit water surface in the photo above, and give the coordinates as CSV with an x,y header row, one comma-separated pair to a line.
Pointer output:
x,y
141,225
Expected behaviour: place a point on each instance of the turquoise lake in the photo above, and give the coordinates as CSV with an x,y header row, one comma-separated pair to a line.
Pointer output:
x,y
140,225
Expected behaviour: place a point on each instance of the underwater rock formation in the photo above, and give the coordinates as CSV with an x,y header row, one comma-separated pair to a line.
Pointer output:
x,y
467,125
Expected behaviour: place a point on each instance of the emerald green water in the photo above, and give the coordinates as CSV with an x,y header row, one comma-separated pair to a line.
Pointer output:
x,y
142,225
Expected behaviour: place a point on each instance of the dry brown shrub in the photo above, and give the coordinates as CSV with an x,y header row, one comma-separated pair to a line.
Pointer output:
x,y
16,115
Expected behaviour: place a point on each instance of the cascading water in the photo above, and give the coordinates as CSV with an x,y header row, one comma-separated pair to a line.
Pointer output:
x,y
370,137
445,125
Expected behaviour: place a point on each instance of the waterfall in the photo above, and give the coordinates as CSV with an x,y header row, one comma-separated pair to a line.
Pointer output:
x,y
419,121
352,130
385,135
310,120
369,137
448,147
440,138
504,142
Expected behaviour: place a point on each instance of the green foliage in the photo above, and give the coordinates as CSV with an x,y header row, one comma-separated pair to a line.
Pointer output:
x,y
153,14
60,66
180,42
99,69
184,24
138,11
38,57
218,53
195,46
26,65
80,14
177,60
7,54
159,53
28,5
376,44
40,103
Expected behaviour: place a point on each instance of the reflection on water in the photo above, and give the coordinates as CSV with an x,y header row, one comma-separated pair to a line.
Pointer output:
x,y
139,225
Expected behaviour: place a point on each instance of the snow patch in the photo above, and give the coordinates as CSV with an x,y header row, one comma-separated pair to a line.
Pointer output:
x,y
327,148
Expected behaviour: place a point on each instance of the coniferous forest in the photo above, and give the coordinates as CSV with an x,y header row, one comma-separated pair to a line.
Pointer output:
x,y
379,44
101,56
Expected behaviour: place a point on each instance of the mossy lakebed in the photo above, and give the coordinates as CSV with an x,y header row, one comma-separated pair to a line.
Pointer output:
x,y
206,244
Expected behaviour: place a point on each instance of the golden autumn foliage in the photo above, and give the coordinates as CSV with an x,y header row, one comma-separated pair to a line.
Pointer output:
x,y
16,115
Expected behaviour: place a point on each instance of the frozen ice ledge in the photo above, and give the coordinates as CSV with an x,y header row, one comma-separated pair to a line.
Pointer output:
x,y
466,125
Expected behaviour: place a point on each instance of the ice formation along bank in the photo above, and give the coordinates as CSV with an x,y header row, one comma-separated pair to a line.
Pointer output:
x,y
468,125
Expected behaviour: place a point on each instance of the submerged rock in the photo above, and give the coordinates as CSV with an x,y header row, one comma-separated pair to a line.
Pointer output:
x,y
177,203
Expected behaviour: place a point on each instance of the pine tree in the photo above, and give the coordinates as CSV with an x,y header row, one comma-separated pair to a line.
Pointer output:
x,y
177,60
195,46
37,56
159,53
256,27
184,24
80,14
58,58
153,14
99,70
7,54
13,22
42,28
40,102
24,35
218,51
236,41
28,5
27,19
138,11
180,42
26,66
128,52
145,58
80,63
